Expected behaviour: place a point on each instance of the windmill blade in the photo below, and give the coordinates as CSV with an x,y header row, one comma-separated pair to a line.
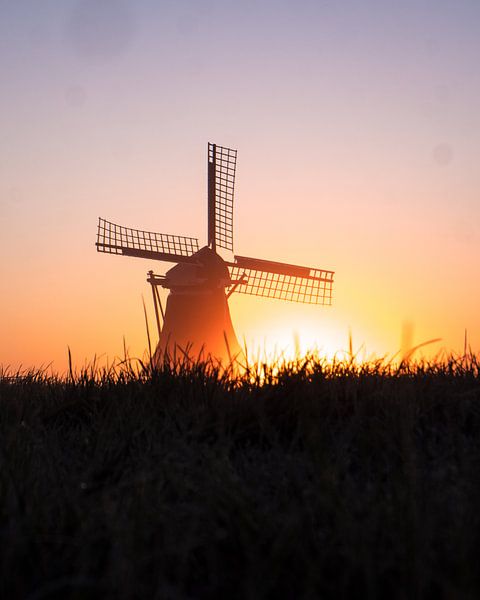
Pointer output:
x,y
115,239
283,281
221,182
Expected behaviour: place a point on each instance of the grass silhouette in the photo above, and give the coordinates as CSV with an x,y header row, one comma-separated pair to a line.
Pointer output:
x,y
302,479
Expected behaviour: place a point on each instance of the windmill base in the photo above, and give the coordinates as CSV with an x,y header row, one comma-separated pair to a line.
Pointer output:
x,y
198,327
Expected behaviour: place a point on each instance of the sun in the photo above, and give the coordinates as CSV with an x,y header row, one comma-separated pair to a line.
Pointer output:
x,y
282,342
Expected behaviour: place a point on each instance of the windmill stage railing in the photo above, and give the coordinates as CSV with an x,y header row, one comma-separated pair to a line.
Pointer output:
x,y
116,239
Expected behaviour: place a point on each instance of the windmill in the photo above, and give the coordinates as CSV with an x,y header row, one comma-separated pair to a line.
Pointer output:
x,y
196,320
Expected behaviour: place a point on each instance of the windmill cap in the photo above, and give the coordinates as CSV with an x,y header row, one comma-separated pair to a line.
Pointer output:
x,y
209,268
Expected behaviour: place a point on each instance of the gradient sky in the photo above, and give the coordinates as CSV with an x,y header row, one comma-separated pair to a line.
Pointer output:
x,y
358,131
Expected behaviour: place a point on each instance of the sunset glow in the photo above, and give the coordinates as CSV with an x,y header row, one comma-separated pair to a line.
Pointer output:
x,y
358,139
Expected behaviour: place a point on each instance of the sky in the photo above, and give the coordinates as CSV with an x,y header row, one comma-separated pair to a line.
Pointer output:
x,y
358,137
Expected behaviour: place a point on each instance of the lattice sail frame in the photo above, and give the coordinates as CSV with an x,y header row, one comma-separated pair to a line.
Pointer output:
x,y
222,164
281,281
116,239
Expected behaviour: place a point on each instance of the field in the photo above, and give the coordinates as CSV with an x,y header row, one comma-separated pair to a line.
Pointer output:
x,y
305,481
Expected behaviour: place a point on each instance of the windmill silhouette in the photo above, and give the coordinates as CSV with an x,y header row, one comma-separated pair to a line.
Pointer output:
x,y
196,320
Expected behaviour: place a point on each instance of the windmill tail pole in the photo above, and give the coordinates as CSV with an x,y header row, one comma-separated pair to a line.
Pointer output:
x,y
156,303
148,331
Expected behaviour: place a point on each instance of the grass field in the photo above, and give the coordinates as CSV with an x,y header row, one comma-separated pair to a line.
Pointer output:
x,y
311,481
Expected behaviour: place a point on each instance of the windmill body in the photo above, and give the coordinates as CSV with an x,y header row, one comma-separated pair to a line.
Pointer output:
x,y
196,321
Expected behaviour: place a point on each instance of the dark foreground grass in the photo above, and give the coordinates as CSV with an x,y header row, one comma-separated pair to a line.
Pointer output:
x,y
322,481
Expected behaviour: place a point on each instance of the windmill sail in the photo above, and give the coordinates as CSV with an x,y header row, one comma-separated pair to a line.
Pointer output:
x,y
283,281
115,239
221,182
